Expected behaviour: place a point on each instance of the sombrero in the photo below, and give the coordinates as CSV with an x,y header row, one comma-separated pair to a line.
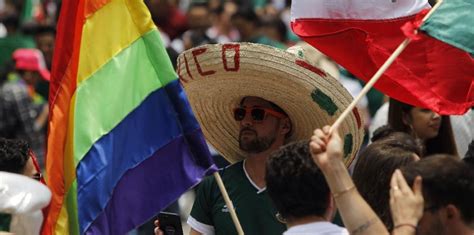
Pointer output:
x,y
216,77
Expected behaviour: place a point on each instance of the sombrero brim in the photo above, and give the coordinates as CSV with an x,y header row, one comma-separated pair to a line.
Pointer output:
x,y
216,78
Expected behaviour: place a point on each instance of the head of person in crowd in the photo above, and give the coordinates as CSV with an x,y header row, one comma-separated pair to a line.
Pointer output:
x,y
222,29
168,17
389,151
160,10
194,38
247,23
45,36
275,29
297,186
16,157
222,14
433,129
30,64
198,16
448,191
254,110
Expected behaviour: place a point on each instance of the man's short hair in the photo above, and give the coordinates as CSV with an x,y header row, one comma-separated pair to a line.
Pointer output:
x,y
295,183
446,180
13,155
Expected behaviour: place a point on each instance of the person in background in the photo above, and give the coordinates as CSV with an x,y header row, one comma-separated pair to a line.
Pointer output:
x,y
221,30
275,29
15,38
299,191
462,127
431,128
448,191
167,17
358,217
17,157
44,37
249,26
24,112
376,164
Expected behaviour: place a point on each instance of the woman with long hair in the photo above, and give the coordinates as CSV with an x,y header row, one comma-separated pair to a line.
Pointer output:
x,y
432,129
390,150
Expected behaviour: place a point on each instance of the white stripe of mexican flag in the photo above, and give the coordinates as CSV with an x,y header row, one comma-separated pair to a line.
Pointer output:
x,y
355,9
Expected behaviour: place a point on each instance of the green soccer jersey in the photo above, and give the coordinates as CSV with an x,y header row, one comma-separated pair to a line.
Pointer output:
x,y
253,206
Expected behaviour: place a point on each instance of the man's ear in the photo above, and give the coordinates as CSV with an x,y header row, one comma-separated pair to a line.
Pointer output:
x,y
331,210
452,212
286,126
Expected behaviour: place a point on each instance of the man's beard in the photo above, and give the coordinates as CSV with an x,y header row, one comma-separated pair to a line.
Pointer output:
x,y
256,145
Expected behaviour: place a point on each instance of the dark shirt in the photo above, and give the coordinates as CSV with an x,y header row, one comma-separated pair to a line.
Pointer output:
x,y
18,113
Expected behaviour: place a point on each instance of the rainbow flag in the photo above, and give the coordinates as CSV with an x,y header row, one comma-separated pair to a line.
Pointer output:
x,y
123,142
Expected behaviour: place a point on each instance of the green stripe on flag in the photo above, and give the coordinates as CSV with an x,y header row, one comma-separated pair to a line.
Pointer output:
x,y
452,23
71,205
116,89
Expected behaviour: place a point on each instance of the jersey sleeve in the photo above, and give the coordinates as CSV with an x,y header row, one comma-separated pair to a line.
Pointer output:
x,y
201,212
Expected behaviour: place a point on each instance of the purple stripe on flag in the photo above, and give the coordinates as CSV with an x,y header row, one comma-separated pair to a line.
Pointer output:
x,y
151,186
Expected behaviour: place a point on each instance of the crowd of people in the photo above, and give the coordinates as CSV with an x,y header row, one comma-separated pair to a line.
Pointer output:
x,y
388,168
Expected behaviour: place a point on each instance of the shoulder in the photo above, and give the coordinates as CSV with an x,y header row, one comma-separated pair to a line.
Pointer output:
x,y
12,89
229,173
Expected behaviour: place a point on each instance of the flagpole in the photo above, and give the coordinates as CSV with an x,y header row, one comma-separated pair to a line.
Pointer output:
x,y
379,73
229,204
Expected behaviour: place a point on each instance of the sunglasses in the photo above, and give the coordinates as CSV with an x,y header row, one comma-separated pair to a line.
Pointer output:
x,y
258,114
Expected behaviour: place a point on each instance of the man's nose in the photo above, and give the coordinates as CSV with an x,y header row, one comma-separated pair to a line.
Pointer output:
x,y
247,121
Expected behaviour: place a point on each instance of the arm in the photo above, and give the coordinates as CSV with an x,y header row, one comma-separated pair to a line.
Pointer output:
x,y
406,205
359,218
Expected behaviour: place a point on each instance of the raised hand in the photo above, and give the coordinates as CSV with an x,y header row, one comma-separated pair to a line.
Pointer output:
x,y
406,204
326,147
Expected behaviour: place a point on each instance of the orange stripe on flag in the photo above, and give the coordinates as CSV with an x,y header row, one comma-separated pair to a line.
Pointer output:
x,y
63,84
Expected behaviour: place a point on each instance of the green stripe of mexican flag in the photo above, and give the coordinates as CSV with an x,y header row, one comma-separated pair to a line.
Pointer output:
x,y
453,23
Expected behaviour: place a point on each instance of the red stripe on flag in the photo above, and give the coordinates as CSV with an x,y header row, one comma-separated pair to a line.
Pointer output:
x,y
428,73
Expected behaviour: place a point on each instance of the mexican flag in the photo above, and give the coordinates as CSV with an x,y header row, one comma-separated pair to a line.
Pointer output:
x,y
361,35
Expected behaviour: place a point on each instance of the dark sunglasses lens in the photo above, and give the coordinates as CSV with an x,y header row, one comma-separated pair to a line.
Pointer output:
x,y
258,114
239,114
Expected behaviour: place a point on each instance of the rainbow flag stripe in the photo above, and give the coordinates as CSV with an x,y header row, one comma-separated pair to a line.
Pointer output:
x,y
123,142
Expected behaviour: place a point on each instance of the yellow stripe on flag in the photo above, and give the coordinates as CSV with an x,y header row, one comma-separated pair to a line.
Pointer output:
x,y
123,22
62,225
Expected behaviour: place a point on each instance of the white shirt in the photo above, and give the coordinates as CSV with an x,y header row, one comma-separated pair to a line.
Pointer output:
x,y
23,198
317,228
